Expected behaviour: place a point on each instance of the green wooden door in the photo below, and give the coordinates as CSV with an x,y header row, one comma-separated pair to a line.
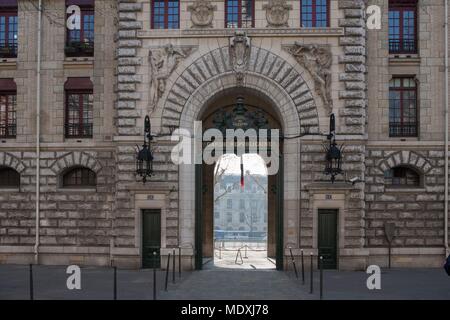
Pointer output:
x,y
198,216
151,238
280,213
328,238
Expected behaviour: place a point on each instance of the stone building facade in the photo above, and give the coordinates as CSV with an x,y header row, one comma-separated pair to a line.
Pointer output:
x,y
184,66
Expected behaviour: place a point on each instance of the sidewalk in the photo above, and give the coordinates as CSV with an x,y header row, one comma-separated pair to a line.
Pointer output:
x,y
221,283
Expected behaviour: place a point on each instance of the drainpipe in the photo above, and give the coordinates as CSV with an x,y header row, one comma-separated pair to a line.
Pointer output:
x,y
38,131
446,130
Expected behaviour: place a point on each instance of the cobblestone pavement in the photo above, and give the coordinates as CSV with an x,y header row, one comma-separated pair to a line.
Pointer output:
x,y
416,284
222,283
96,283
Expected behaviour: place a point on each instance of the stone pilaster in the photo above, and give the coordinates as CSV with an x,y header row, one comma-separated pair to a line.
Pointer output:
x,y
127,62
353,114
354,60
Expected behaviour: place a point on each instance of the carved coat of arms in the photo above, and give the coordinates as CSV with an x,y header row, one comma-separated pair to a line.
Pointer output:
x,y
277,13
202,13
240,54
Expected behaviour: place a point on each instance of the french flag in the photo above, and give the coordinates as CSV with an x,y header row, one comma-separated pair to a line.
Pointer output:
x,y
242,173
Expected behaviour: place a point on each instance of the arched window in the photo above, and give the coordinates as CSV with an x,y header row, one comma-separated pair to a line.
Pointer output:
x,y
9,178
79,178
402,177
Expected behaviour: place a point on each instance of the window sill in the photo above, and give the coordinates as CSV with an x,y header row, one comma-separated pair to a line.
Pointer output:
x,y
405,190
78,140
404,59
404,139
77,189
6,139
10,189
8,63
78,62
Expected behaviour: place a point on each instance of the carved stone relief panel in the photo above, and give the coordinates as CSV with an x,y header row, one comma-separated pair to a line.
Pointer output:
x,y
277,13
317,60
162,62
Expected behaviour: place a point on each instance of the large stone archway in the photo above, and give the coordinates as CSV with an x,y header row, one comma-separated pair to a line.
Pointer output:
x,y
271,77
266,71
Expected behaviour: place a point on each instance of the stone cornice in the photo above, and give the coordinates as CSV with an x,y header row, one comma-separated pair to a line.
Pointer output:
x,y
261,32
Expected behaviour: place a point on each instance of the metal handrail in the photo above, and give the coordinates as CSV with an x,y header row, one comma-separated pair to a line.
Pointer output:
x,y
239,254
167,272
8,51
402,46
288,246
8,131
79,130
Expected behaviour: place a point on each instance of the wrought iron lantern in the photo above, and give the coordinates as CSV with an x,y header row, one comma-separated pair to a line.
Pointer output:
x,y
144,156
333,153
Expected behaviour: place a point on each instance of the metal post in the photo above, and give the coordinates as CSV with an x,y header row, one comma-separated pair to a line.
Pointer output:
x,y
154,275
31,283
245,257
321,277
173,267
179,262
303,268
311,288
115,283
167,271
389,255
293,262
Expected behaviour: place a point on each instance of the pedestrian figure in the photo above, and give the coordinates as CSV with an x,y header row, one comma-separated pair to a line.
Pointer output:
x,y
447,265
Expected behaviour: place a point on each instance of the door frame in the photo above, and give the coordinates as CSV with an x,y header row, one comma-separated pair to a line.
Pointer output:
x,y
157,199
327,196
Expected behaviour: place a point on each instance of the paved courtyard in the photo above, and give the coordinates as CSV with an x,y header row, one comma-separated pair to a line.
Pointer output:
x,y
222,283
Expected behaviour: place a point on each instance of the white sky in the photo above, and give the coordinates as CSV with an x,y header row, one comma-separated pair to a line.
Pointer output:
x,y
252,162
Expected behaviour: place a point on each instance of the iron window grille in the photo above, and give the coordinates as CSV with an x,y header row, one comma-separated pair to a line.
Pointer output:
x,y
402,177
79,178
8,125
